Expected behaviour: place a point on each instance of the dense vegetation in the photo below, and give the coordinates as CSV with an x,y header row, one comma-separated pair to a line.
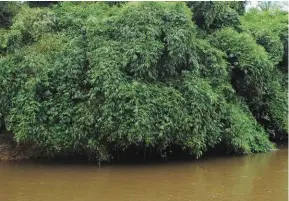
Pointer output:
x,y
97,79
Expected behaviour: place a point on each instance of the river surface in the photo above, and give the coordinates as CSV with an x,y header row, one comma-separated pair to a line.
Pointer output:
x,y
258,177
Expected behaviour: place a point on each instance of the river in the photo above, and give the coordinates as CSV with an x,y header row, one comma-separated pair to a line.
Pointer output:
x,y
257,177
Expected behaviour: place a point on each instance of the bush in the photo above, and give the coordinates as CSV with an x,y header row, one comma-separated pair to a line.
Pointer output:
x,y
7,11
215,15
243,135
28,27
92,80
270,29
252,75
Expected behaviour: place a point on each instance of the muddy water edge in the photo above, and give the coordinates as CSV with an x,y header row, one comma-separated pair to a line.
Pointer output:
x,y
256,177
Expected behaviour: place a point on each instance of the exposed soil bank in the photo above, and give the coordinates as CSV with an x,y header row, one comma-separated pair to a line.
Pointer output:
x,y
10,150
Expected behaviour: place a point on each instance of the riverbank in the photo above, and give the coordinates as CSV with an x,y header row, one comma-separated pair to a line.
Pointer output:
x,y
11,151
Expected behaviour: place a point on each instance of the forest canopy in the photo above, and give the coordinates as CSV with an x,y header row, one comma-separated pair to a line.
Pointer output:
x,y
96,78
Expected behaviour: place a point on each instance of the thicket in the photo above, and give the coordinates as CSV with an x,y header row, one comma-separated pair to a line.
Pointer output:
x,y
95,79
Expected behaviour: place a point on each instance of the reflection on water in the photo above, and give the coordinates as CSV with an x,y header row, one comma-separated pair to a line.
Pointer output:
x,y
259,177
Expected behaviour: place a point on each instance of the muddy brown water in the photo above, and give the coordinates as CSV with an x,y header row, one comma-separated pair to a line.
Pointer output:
x,y
258,177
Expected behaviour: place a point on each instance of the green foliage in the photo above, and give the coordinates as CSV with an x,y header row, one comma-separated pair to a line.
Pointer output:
x,y
89,78
156,41
215,15
73,15
115,3
242,134
277,103
205,110
30,24
253,75
239,6
46,109
211,63
272,45
270,29
41,3
7,11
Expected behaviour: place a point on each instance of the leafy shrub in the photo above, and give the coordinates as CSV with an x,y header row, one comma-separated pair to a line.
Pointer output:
x,y
7,11
252,73
28,27
270,28
242,134
89,79
215,15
